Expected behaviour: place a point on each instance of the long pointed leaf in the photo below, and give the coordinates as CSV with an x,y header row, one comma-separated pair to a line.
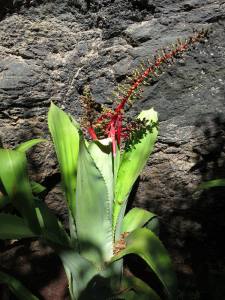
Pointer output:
x,y
16,287
102,156
146,244
13,227
116,165
51,229
65,137
136,218
119,222
133,161
27,145
92,211
13,174
36,187
79,272
141,290
101,152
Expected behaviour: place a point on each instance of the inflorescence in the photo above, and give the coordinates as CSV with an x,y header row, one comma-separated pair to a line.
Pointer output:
x,y
102,122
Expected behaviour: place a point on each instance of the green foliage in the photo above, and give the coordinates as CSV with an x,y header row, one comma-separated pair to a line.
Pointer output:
x,y
136,218
132,162
65,137
28,144
14,227
96,184
93,218
137,288
14,178
146,244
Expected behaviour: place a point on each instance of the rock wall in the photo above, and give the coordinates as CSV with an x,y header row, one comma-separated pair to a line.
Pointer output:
x,y
50,49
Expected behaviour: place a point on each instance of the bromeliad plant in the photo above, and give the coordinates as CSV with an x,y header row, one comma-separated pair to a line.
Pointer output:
x,y
97,178
96,185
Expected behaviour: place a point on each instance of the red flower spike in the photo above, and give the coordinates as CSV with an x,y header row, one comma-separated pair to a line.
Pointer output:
x,y
112,135
92,133
112,122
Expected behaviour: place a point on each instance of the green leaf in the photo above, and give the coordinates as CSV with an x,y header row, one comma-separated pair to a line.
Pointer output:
x,y
66,141
133,161
102,155
27,145
51,228
116,165
16,287
13,174
146,244
92,207
13,227
211,184
37,188
120,218
65,137
153,225
136,218
141,290
79,271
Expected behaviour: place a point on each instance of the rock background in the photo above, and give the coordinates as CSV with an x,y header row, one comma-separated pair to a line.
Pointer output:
x,y
50,49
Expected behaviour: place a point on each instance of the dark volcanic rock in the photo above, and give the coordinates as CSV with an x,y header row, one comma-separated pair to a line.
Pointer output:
x,y
50,49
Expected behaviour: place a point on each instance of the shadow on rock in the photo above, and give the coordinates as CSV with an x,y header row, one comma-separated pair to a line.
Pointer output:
x,y
207,254
192,222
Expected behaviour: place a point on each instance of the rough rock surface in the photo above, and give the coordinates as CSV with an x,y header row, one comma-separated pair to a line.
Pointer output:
x,y
50,49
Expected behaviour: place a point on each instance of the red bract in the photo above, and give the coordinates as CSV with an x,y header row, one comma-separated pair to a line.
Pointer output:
x,y
113,128
111,123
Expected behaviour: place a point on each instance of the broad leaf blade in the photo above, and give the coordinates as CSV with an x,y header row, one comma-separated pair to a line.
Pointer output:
x,y
13,227
51,229
65,137
92,211
36,187
133,161
27,145
136,218
102,155
66,142
79,271
146,244
16,287
116,165
141,290
13,174
101,152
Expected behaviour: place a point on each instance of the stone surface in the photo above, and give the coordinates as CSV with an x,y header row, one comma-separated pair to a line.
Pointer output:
x,y
50,49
